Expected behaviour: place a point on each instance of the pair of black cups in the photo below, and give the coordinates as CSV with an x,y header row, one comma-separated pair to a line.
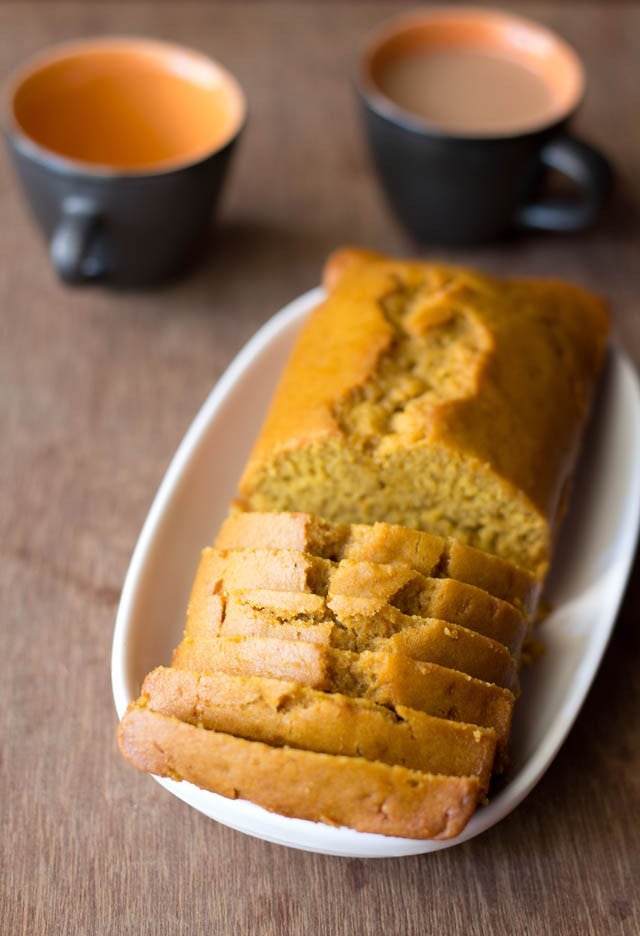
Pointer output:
x,y
138,228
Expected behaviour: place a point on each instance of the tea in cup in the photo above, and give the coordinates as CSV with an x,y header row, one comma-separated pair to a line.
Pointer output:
x,y
465,108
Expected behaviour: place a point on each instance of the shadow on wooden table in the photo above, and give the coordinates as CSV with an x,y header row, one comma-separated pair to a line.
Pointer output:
x,y
257,250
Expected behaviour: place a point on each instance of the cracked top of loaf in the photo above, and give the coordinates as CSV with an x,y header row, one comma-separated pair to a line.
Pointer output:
x,y
434,397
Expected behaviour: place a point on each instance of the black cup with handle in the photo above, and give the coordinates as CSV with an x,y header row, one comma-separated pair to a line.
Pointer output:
x,y
465,111
122,146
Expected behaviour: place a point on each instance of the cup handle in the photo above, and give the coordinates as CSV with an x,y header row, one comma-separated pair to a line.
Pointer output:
x,y
591,172
72,240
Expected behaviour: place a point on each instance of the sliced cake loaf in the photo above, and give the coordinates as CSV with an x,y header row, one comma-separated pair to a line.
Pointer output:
x,y
351,646
416,720
441,400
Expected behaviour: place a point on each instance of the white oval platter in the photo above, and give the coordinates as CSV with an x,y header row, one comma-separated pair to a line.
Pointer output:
x,y
592,564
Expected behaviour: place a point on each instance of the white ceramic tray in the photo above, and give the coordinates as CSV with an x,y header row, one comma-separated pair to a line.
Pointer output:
x,y
591,568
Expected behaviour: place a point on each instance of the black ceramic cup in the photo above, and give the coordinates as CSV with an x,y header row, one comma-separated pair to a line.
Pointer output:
x,y
122,146
468,186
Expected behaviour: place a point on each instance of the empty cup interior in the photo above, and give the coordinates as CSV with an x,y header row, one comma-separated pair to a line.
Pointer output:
x,y
135,105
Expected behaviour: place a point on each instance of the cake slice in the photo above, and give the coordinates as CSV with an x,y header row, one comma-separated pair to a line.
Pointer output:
x,y
425,639
347,622
353,593
383,543
368,796
363,613
286,713
387,678
413,593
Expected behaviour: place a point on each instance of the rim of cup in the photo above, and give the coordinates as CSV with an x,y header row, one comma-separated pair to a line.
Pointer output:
x,y
187,62
530,40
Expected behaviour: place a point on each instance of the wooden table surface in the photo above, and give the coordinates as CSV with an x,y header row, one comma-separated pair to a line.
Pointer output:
x,y
97,391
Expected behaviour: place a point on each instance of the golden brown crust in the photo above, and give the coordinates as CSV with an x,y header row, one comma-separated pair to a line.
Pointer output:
x,y
492,574
275,530
344,260
455,647
367,796
285,713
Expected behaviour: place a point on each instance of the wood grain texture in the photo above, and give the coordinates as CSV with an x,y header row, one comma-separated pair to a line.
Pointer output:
x,y
96,391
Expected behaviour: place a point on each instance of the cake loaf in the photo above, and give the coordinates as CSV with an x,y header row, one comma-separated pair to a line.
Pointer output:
x,y
352,640
436,398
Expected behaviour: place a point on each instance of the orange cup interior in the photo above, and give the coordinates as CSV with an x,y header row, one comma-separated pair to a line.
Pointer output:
x,y
127,105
